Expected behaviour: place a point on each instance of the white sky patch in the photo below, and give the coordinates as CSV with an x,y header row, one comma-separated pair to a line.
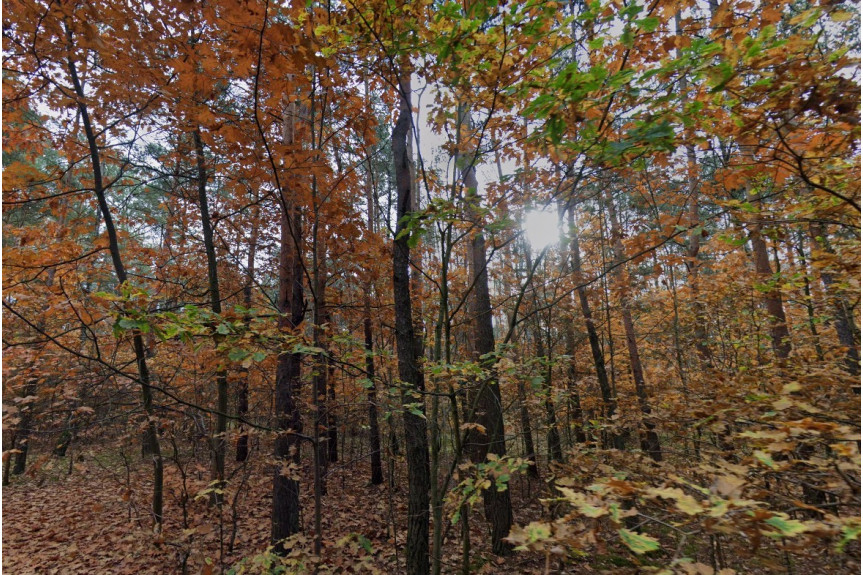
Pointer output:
x,y
541,227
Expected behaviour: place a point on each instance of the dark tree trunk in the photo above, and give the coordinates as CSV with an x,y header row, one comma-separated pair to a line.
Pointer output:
x,y
779,335
374,427
555,452
219,440
484,403
151,437
843,320
286,486
649,437
243,391
526,432
416,439
608,400
575,411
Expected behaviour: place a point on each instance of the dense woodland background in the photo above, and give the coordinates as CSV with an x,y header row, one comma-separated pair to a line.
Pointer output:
x,y
269,304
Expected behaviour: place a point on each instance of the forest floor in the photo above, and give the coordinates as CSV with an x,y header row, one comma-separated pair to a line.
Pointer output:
x,y
96,520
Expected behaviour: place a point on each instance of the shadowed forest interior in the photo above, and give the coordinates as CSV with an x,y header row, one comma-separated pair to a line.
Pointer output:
x,y
557,286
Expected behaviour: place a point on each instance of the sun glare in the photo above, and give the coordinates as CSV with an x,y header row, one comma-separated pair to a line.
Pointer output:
x,y
541,227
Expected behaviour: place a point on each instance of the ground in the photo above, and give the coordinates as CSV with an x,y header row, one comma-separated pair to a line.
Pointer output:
x,y
96,520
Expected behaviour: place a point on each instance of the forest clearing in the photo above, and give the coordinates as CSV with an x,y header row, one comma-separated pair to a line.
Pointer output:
x,y
378,286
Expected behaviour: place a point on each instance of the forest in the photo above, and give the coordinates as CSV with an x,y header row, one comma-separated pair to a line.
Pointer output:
x,y
431,286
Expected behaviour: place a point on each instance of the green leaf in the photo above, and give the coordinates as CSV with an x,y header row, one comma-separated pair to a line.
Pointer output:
x,y
765,459
849,533
596,43
648,24
787,527
237,354
638,543
223,329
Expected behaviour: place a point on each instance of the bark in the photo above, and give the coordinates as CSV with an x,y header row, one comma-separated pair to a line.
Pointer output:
x,y
608,400
150,434
292,309
286,487
485,400
843,319
526,432
779,335
410,373
692,265
320,374
553,435
218,439
649,437
576,415
243,391
374,427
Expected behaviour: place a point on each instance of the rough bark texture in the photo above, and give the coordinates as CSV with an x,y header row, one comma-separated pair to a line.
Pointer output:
x,y
484,402
410,373
286,488
374,427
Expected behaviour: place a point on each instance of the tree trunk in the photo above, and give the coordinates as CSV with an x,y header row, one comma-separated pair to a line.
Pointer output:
x,y
608,400
555,452
485,401
243,391
576,416
843,320
151,435
218,439
779,335
692,265
291,307
649,437
410,374
286,487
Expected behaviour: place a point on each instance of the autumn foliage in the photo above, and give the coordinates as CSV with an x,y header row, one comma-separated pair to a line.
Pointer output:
x,y
270,303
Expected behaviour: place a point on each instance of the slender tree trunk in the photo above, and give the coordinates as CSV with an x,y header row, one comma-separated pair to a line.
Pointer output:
x,y
374,427
608,400
843,320
286,486
151,434
702,347
320,373
243,391
779,335
576,416
803,267
555,452
486,405
218,439
291,307
649,437
410,374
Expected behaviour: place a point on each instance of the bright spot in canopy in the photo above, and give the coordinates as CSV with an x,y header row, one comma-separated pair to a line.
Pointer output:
x,y
541,227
